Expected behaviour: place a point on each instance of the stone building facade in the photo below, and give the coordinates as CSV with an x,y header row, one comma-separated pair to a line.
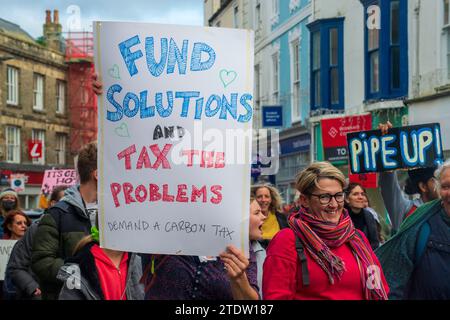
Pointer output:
x,y
33,106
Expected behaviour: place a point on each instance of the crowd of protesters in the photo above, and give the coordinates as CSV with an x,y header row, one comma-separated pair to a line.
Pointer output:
x,y
325,245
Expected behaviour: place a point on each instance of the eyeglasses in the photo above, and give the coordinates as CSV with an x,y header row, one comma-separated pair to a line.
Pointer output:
x,y
326,197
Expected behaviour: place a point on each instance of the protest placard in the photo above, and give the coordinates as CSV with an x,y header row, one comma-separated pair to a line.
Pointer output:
x,y
402,148
58,177
334,132
5,250
173,177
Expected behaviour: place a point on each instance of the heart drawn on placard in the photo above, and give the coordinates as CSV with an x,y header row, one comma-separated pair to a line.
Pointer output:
x,y
227,77
122,131
114,72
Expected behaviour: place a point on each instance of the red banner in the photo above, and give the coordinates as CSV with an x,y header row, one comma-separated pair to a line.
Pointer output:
x,y
367,180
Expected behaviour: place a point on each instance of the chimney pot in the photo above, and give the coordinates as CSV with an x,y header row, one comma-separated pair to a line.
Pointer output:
x,y
55,16
48,17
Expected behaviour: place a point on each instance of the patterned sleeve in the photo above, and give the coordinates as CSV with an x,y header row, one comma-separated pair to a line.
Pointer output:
x,y
252,272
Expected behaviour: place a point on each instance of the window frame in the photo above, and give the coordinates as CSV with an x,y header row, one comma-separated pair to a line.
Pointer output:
x,y
323,69
16,153
61,152
38,92
275,81
12,85
294,47
60,98
386,91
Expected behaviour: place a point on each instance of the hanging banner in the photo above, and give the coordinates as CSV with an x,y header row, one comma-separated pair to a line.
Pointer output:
x,y
172,178
402,148
334,133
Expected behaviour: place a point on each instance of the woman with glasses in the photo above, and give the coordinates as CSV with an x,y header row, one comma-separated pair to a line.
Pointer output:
x,y
362,219
322,255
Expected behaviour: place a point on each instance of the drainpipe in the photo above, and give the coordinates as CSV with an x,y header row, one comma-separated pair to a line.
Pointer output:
x,y
417,76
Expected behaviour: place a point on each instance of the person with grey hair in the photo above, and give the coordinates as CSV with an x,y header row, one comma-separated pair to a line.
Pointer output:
x,y
416,261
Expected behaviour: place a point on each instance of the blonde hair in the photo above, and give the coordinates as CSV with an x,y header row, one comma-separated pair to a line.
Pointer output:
x,y
308,178
276,203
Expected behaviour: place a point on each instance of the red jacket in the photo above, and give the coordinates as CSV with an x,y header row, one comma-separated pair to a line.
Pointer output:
x,y
112,280
282,276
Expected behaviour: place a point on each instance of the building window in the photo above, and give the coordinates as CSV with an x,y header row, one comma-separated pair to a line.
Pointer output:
x,y
327,67
13,144
39,135
334,64
12,82
236,17
258,22
316,68
38,92
295,80
275,78
60,97
446,31
386,53
257,87
61,140
374,60
446,12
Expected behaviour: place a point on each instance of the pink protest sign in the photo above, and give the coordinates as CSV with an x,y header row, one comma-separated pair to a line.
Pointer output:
x,y
58,177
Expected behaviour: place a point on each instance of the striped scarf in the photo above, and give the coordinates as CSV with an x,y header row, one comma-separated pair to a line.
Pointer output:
x,y
318,236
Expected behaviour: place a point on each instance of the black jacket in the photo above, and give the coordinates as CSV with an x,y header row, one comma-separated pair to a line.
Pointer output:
x,y
365,222
59,231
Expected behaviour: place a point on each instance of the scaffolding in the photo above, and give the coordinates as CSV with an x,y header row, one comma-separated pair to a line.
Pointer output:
x,y
82,99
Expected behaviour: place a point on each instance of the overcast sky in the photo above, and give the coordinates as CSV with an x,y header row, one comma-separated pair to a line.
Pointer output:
x,y
30,14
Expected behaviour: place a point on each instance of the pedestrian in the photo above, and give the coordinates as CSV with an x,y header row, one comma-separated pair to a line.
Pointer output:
x,y
416,260
420,181
9,200
355,203
18,270
376,216
257,219
270,202
14,227
65,224
95,273
15,224
322,255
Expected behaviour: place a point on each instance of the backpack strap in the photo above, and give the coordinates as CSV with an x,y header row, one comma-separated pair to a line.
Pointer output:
x,y
302,257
